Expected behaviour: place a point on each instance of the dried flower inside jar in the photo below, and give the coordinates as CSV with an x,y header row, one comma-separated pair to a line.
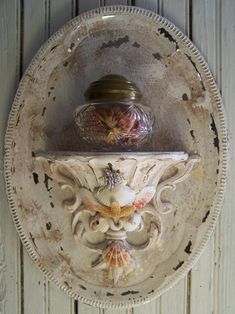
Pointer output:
x,y
113,115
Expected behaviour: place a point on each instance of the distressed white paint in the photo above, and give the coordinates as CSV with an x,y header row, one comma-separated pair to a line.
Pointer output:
x,y
206,39
215,294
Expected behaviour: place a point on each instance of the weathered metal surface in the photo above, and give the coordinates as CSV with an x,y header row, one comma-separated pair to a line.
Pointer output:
x,y
176,83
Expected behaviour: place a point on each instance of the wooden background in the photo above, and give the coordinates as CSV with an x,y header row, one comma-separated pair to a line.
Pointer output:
x,y
210,287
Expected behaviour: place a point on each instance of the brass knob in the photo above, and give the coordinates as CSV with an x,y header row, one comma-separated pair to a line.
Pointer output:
x,y
113,86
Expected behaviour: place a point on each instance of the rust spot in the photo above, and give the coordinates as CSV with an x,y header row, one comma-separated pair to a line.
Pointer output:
x,y
115,43
53,48
179,265
18,120
48,225
188,247
206,216
214,129
67,285
35,178
71,46
185,97
192,135
199,74
109,294
168,36
157,56
46,182
43,111
129,292
32,239
137,45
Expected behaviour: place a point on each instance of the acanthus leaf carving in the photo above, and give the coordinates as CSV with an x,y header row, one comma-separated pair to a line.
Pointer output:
x,y
107,208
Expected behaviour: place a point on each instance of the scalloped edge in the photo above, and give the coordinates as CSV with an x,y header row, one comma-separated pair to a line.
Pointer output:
x,y
218,201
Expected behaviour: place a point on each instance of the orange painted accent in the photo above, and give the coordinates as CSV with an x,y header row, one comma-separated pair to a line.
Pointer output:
x,y
115,211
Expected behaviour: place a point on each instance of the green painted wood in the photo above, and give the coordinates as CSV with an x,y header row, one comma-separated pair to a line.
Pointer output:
x,y
87,309
225,249
152,5
84,5
10,261
61,11
114,2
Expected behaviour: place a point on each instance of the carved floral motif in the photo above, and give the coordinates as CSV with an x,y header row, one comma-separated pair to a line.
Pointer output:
x,y
113,196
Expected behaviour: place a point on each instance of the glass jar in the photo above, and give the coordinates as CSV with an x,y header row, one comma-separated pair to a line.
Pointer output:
x,y
113,116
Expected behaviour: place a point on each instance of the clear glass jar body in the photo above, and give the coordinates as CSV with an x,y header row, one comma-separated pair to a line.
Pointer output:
x,y
114,124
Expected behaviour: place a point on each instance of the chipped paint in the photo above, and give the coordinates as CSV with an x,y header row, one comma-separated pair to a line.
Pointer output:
x,y
181,99
115,43
166,34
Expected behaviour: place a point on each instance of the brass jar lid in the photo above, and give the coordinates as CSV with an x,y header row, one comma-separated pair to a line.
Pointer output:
x,y
112,87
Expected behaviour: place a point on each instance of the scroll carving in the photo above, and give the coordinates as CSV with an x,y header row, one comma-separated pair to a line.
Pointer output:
x,y
115,197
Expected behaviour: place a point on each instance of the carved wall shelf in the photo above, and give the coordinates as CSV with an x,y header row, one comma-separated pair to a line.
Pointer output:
x,y
115,212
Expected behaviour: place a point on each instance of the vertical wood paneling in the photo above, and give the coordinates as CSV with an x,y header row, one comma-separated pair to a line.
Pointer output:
x,y
84,5
10,293
35,29
59,302
175,300
111,311
148,4
87,309
201,288
225,250
61,11
112,2
177,12
202,279
153,307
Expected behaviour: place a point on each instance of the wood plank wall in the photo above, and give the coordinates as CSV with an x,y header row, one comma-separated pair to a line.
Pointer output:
x,y
210,287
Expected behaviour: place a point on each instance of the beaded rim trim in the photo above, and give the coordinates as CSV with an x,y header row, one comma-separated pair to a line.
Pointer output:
x,y
187,44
